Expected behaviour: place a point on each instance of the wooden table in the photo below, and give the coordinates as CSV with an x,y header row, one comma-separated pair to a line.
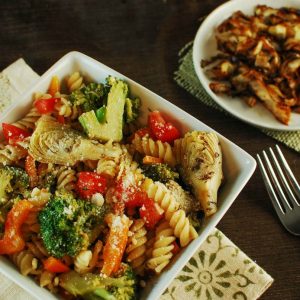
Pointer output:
x,y
141,39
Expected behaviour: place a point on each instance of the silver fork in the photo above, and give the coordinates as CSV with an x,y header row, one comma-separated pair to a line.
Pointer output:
x,y
284,192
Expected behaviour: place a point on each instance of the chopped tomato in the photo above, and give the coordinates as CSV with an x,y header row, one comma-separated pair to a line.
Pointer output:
x,y
90,183
150,213
31,170
116,243
127,192
13,241
176,248
135,199
14,134
162,130
54,86
149,160
46,106
55,265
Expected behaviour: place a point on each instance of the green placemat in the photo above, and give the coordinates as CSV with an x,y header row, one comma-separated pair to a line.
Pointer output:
x,y
186,77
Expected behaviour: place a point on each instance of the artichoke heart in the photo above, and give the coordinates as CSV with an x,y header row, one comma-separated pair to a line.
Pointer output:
x,y
56,143
199,154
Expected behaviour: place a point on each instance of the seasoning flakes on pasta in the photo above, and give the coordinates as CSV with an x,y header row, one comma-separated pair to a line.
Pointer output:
x,y
90,208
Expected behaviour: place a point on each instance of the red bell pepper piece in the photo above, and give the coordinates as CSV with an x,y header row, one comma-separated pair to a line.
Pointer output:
x,y
54,86
90,183
133,197
14,134
13,241
46,106
55,265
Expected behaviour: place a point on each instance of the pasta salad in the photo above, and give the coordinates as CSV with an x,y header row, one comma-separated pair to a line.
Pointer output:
x,y
92,204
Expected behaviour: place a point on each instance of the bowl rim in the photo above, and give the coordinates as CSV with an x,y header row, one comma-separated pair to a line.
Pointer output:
x,y
202,31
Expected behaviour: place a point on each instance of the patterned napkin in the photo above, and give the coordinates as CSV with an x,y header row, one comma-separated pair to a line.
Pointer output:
x,y
186,77
218,270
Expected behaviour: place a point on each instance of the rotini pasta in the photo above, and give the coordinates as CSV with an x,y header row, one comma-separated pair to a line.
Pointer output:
x,y
129,166
28,122
176,217
10,154
82,261
49,280
66,109
75,82
26,262
36,246
148,146
40,196
108,166
162,247
136,248
66,178
31,223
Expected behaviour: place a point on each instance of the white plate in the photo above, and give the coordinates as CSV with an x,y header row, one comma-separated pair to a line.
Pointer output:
x,y
238,165
205,47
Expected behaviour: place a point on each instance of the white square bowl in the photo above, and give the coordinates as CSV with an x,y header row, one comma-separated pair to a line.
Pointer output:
x,y
238,166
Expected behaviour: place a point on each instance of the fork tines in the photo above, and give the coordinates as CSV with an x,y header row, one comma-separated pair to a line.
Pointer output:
x,y
285,191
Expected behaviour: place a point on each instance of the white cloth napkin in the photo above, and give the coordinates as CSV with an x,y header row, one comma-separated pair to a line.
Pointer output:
x,y
14,80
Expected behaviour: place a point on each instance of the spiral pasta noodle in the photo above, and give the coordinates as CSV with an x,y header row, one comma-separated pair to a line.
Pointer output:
x,y
31,223
11,154
29,120
75,82
66,178
176,217
148,146
36,247
128,166
49,280
136,249
82,261
162,247
107,166
25,261
66,109
40,197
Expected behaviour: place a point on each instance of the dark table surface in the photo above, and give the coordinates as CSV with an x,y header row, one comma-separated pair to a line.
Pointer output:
x,y
141,39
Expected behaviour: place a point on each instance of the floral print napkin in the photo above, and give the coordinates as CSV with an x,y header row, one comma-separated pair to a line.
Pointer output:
x,y
218,270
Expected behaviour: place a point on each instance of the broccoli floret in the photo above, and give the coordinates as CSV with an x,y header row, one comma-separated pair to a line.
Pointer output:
x,y
89,97
13,181
112,128
66,222
132,107
96,287
160,172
